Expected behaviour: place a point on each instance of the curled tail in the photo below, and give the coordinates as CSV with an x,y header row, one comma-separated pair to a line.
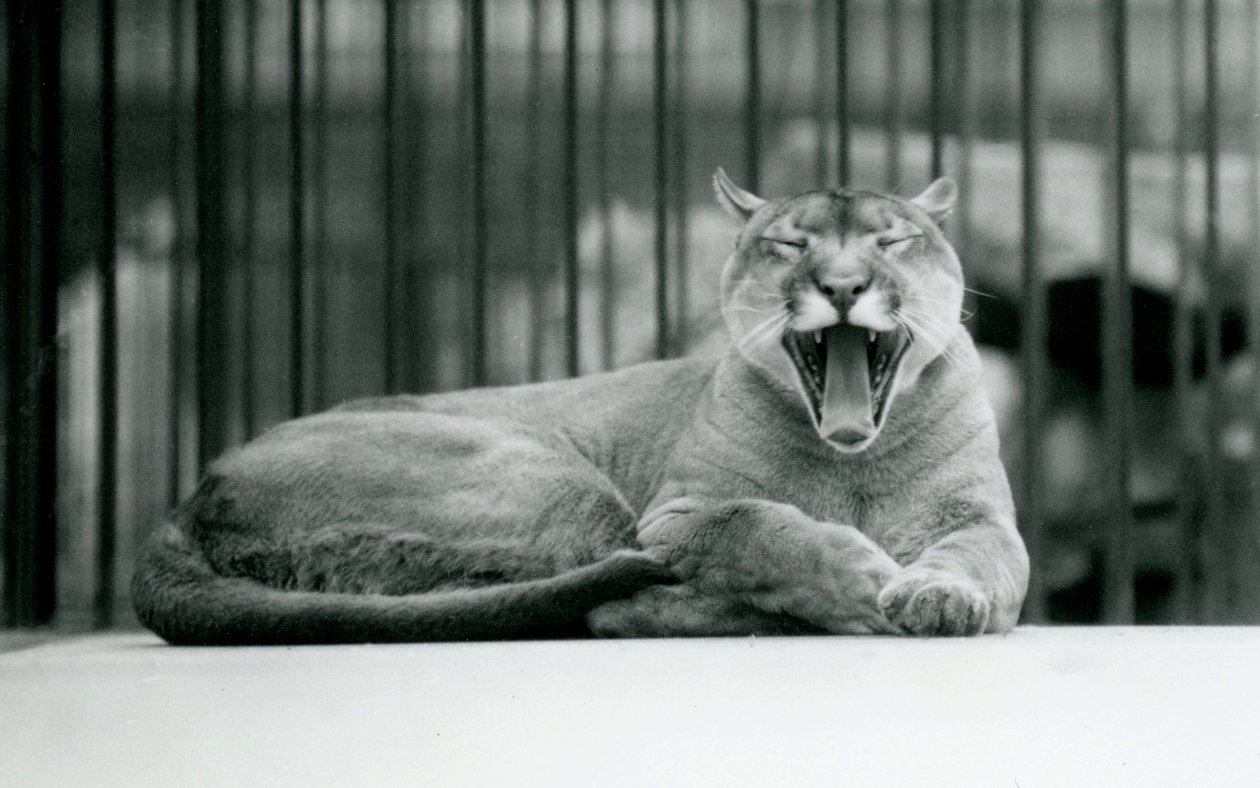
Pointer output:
x,y
178,595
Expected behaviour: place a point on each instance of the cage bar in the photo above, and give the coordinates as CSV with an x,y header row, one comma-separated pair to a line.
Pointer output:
x,y
752,108
936,90
175,185
212,232
681,179
318,253
843,145
1221,585
477,67
964,126
392,311
603,121
33,227
1033,342
660,98
107,358
249,219
892,95
297,215
822,152
533,153
1117,338
571,185
1252,70
1189,574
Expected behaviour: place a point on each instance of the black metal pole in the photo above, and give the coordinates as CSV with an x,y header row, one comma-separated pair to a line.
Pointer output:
x,y
297,215
752,111
571,271
1117,341
33,227
1221,585
107,273
538,272
843,144
822,144
964,127
318,253
608,256
1189,574
477,44
390,277
1033,344
249,176
681,181
212,234
892,96
175,109
661,181
936,77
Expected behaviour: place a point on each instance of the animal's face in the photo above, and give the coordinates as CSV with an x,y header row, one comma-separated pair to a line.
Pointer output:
x,y
845,295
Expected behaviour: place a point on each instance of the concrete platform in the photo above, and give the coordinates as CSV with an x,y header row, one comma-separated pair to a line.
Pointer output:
x,y
1040,707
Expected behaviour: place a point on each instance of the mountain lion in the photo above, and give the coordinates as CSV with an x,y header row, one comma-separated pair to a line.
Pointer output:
x,y
835,471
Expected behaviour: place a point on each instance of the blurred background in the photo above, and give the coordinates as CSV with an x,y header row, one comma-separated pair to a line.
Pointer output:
x,y
220,214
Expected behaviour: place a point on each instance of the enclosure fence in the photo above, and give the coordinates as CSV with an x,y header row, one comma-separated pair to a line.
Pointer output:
x,y
239,115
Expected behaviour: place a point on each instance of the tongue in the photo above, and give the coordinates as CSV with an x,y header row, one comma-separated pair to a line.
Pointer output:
x,y
846,403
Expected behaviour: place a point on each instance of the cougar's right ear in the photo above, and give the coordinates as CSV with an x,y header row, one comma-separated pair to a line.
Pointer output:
x,y
734,200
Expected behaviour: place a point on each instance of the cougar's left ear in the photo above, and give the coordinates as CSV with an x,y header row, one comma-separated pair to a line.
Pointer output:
x,y
734,200
937,200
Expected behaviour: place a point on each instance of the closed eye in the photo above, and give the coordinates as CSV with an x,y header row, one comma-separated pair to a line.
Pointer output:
x,y
785,248
897,239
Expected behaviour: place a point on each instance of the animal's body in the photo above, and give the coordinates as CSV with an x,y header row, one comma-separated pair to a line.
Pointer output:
x,y
835,471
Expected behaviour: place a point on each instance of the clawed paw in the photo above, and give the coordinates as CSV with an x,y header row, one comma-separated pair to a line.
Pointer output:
x,y
926,602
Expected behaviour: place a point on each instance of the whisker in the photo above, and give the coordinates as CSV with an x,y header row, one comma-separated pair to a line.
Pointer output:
x,y
937,342
979,292
764,329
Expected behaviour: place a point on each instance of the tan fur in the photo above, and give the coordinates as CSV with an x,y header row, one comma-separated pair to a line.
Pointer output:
x,y
526,511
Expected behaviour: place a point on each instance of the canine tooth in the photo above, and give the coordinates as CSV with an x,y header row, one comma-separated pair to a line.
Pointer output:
x,y
817,337
870,336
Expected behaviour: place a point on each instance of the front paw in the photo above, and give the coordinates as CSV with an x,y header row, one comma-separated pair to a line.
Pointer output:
x,y
932,602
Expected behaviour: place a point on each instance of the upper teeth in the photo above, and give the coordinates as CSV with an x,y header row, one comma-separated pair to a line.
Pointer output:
x,y
817,337
870,336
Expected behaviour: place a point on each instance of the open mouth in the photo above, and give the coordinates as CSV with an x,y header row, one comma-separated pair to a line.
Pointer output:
x,y
847,373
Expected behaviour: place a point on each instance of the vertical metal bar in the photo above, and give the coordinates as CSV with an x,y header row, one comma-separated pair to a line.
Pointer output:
x,y
477,45
414,376
571,284
821,144
297,215
936,77
1252,25
752,112
892,96
175,109
660,100
1220,588
390,276
842,93
107,273
608,259
1117,340
318,254
681,181
1033,342
1189,575
248,225
964,125
212,233
533,212
33,226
